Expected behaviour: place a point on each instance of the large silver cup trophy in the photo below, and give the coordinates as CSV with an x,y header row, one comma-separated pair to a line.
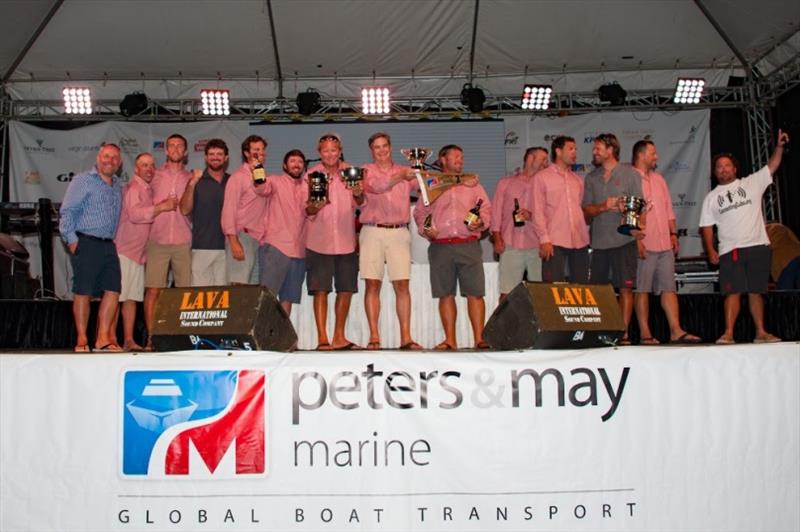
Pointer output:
x,y
417,157
317,186
632,209
353,175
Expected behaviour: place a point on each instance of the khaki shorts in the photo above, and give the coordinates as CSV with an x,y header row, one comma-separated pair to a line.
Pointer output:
x,y
243,271
378,246
208,267
160,257
132,280
656,272
516,262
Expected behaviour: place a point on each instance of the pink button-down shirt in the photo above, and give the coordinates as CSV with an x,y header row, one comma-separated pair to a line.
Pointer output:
x,y
450,209
557,214
385,204
170,227
332,230
656,192
135,220
508,189
243,209
285,214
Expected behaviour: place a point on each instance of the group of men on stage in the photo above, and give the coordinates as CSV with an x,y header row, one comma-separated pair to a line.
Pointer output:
x,y
212,228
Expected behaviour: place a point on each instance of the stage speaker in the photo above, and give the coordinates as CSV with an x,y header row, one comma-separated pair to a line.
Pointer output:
x,y
556,316
221,317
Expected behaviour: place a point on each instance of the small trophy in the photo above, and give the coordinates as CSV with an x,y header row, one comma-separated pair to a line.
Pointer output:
x,y
632,208
352,176
317,186
416,156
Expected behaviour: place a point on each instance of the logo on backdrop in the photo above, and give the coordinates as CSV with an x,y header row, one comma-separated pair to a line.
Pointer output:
x,y
683,202
158,145
33,178
128,145
512,139
678,166
66,177
39,148
200,145
193,424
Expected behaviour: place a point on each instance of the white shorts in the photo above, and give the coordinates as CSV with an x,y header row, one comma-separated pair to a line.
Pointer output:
x,y
390,246
514,263
132,280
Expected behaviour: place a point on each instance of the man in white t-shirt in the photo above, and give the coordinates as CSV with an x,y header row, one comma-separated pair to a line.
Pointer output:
x,y
734,206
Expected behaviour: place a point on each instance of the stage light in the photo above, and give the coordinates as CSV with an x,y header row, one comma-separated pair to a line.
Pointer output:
x,y
215,102
133,104
689,90
308,102
612,93
536,97
77,100
473,98
375,100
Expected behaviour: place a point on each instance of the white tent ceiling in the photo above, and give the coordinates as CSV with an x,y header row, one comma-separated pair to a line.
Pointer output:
x,y
422,48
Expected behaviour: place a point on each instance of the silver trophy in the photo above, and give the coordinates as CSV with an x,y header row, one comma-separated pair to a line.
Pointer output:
x,y
317,186
416,156
352,176
632,209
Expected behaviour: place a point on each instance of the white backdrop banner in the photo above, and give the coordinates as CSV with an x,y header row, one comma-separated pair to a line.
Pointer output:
x,y
43,161
682,140
664,438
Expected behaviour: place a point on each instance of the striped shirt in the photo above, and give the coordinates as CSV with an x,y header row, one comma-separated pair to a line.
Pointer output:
x,y
90,206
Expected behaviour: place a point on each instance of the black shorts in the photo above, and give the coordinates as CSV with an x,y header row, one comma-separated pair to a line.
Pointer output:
x,y
323,270
460,263
745,270
95,267
575,260
616,266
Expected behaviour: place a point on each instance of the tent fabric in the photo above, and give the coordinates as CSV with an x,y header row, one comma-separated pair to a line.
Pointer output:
x,y
426,44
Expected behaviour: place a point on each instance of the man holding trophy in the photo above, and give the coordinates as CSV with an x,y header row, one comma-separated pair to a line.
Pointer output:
x,y
384,238
453,224
614,251
331,240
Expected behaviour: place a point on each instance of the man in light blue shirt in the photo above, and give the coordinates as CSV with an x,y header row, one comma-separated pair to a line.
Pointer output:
x,y
89,216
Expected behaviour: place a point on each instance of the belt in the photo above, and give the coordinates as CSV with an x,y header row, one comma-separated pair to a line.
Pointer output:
x,y
92,237
389,226
454,240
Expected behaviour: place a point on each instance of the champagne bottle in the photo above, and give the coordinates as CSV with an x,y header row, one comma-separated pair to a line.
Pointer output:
x,y
474,213
428,223
259,175
519,221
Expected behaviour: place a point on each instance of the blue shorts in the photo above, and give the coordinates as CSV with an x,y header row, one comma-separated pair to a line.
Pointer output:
x,y
95,267
283,275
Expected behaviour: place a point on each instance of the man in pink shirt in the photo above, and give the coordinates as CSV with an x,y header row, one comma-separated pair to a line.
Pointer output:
x,y
558,217
331,245
455,253
657,250
243,214
281,256
384,238
170,242
512,228
138,213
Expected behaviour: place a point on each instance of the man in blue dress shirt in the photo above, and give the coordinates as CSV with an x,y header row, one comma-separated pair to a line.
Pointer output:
x,y
89,216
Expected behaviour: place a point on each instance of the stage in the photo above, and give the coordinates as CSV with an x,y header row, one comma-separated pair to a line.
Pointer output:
x,y
628,438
